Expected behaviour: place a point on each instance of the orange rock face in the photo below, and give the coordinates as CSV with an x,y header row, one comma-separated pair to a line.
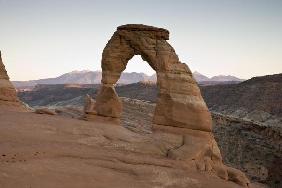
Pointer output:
x,y
7,91
180,103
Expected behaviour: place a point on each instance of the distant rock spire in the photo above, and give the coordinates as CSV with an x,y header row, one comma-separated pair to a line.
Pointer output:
x,y
3,72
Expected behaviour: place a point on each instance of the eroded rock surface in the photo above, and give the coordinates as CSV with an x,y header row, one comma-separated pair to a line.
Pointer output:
x,y
180,103
7,91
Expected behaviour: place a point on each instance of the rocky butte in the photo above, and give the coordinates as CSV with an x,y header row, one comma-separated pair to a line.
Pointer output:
x,y
43,150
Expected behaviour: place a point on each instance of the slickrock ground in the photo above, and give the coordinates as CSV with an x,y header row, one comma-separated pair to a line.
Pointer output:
x,y
39,150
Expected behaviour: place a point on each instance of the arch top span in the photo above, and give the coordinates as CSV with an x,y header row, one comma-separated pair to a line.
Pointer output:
x,y
155,32
179,103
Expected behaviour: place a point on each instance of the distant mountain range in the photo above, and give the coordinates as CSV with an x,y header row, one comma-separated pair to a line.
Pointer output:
x,y
220,78
85,77
94,77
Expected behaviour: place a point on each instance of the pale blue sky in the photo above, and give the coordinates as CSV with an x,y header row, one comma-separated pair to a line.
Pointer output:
x,y
46,38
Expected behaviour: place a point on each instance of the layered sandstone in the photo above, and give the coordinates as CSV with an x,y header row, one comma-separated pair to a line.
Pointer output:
x,y
8,94
180,103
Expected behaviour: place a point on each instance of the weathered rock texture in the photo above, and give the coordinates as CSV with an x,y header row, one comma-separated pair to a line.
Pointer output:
x,y
179,104
8,93
180,108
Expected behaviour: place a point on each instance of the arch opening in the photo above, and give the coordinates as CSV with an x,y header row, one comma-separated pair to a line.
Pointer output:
x,y
138,65
138,98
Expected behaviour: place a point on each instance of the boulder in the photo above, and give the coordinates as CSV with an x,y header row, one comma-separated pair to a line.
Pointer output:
x,y
45,111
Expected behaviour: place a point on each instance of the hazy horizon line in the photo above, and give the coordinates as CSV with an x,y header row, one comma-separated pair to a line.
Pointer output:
x,y
147,74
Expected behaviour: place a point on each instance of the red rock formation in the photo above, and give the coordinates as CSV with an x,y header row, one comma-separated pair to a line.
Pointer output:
x,y
8,94
180,103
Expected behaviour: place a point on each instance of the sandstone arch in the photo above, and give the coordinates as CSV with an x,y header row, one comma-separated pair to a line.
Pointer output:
x,y
179,103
